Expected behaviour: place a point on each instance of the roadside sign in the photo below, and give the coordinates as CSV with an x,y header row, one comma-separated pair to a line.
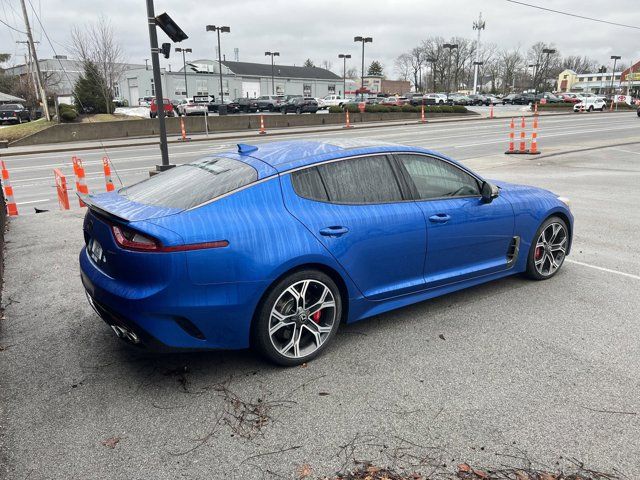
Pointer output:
x,y
634,76
201,98
543,101
361,107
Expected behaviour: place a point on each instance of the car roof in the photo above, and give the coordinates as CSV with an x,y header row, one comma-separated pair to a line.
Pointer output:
x,y
287,155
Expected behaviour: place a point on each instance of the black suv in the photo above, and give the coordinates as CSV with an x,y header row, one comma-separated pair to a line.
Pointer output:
x,y
300,105
247,105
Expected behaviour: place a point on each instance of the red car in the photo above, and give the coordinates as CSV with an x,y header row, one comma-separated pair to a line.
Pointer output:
x,y
570,98
168,108
395,101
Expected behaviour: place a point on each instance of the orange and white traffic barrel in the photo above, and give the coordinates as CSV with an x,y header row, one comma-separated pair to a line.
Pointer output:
x,y
12,207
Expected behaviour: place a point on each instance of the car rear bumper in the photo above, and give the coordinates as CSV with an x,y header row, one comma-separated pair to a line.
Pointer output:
x,y
179,316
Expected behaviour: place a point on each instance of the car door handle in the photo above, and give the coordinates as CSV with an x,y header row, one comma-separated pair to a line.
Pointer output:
x,y
440,218
335,231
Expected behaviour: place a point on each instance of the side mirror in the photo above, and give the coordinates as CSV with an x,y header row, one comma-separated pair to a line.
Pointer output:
x,y
489,192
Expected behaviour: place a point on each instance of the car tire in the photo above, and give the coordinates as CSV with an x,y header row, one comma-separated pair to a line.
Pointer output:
x,y
298,111
282,316
590,109
441,102
548,249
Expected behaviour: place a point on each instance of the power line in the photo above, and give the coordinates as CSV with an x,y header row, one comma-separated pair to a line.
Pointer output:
x,y
12,28
574,15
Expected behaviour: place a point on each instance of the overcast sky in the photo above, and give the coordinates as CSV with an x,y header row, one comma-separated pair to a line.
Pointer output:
x,y
320,29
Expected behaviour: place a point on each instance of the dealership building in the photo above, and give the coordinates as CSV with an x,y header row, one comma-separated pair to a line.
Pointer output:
x,y
601,83
239,79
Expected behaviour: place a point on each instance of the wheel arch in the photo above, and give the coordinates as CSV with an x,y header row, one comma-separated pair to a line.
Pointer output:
x,y
565,218
322,267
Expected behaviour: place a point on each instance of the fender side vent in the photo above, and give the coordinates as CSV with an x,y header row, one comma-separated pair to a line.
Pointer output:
x,y
189,327
513,251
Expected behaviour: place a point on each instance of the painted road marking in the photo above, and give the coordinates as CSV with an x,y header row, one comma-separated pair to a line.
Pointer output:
x,y
33,201
603,269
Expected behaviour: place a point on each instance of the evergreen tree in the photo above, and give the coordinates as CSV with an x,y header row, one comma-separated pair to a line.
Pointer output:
x,y
89,90
375,68
308,63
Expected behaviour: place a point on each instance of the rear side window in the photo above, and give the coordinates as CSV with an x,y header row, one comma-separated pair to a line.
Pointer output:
x,y
361,181
191,184
308,184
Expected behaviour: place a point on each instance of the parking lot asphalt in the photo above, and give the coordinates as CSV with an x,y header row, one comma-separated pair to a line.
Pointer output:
x,y
513,372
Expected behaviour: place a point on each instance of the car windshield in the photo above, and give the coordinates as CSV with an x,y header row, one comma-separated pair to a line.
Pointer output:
x,y
192,184
10,106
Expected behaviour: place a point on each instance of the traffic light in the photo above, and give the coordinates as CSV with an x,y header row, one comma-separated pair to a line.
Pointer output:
x,y
166,50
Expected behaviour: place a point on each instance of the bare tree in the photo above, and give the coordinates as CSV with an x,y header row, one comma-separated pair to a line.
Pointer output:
x,y
543,62
96,43
327,64
512,63
579,64
402,65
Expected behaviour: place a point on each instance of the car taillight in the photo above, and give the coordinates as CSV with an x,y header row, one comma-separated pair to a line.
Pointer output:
x,y
136,241
131,240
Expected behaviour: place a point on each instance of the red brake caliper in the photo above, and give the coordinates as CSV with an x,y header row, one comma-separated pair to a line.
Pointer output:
x,y
316,316
538,253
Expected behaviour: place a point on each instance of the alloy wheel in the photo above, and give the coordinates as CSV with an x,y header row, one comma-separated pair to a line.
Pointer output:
x,y
302,318
550,250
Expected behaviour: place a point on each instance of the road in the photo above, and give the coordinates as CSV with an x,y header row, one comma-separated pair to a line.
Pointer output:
x,y
514,372
33,182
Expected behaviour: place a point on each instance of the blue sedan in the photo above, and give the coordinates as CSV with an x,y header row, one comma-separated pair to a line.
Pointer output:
x,y
273,246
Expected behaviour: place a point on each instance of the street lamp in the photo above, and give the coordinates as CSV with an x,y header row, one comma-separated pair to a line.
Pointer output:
x,y
213,28
535,69
615,58
272,54
548,52
344,57
184,67
451,47
363,40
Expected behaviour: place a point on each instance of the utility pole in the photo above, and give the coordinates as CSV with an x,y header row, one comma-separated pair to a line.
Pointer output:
x,y
363,40
157,80
29,64
344,57
479,26
43,96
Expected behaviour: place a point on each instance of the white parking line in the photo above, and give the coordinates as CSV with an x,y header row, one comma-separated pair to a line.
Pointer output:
x,y
33,201
602,269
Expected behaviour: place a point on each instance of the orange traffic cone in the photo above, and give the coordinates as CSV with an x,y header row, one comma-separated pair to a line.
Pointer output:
x,y
12,207
183,131
534,138
263,131
422,117
512,137
535,108
491,111
347,123
523,141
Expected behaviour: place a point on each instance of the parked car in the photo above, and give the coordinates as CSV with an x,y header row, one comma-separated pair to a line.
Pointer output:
x,y
638,111
321,104
523,99
270,102
571,97
247,105
459,99
415,99
144,101
395,101
549,97
277,245
508,99
299,105
189,107
435,99
590,104
335,100
168,108
14,112
491,100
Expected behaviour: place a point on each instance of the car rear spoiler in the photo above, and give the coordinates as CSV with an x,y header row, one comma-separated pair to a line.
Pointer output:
x,y
100,210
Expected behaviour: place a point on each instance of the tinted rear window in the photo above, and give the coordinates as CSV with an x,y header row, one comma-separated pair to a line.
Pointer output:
x,y
192,184
361,181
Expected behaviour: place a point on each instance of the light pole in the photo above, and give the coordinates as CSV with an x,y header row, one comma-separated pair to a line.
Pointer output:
x,y
615,58
535,69
272,54
184,67
344,57
432,61
476,66
451,47
213,28
363,40
548,52
479,26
